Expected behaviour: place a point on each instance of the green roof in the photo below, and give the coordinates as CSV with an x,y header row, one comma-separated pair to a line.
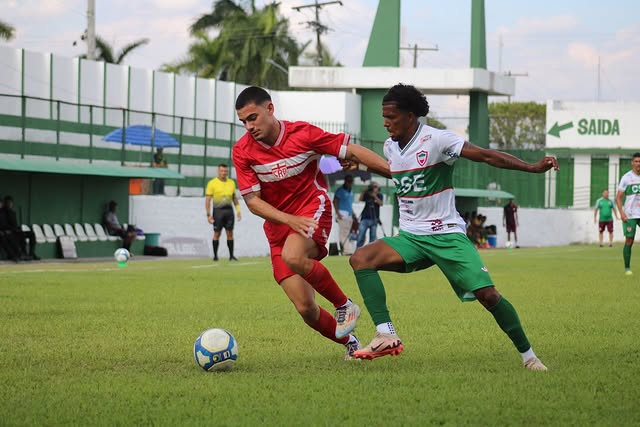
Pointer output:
x,y
476,192
66,167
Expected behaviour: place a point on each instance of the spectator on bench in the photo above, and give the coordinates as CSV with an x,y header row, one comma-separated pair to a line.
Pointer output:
x,y
114,228
13,236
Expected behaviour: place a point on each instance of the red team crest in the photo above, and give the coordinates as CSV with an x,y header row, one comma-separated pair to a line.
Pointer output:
x,y
279,170
421,157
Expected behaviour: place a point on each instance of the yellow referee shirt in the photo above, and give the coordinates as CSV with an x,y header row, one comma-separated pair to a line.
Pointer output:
x,y
221,192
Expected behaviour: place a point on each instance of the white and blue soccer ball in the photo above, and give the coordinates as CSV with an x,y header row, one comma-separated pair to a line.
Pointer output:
x,y
508,244
215,350
121,255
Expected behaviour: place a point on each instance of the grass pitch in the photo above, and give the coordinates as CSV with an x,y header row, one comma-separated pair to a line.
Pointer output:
x,y
94,344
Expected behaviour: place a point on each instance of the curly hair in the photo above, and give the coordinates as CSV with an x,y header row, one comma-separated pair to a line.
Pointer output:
x,y
407,98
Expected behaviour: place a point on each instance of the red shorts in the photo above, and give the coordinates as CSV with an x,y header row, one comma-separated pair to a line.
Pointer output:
x,y
511,228
606,224
277,235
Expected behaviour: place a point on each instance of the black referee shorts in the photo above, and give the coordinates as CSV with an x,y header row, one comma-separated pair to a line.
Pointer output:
x,y
223,218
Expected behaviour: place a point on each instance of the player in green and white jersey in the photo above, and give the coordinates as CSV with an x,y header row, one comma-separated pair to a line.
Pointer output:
x,y
421,160
629,190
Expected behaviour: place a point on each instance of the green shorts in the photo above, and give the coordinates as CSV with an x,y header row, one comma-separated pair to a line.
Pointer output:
x,y
629,227
453,253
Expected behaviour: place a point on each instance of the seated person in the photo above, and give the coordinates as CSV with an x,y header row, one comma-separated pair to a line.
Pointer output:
x,y
14,240
114,228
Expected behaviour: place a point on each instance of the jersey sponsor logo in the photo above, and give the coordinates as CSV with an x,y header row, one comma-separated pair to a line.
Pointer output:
x,y
485,269
425,138
410,183
450,154
421,157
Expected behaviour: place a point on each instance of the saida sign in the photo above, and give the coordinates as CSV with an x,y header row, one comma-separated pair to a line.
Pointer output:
x,y
592,124
589,127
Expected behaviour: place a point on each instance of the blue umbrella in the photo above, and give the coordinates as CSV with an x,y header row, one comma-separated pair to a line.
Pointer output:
x,y
142,135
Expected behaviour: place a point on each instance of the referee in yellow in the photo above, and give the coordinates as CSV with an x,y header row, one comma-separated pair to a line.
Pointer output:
x,y
222,191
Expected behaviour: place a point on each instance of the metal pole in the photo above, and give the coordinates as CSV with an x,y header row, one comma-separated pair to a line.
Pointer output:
x,y
58,130
204,158
153,136
24,125
90,133
180,152
124,135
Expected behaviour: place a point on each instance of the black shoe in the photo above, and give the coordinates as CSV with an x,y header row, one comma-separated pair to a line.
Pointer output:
x,y
233,258
215,258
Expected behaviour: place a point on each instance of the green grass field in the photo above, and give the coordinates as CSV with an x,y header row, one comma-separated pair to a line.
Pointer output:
x,y
94,344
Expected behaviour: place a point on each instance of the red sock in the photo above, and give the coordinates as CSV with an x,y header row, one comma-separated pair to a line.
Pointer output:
x,y
321,280
326,325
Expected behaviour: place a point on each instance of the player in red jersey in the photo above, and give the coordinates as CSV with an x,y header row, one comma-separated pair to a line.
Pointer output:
x,y
277,168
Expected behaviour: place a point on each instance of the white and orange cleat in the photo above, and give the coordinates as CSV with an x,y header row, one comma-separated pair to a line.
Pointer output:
x,y
381,345
534,364
346,318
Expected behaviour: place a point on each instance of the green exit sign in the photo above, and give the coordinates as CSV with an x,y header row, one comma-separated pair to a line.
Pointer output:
x,y
589,127
598,127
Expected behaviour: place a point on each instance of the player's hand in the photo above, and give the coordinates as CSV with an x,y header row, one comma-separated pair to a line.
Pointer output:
x,y
348,165
547,162
210,219
623,216
302,225
239,216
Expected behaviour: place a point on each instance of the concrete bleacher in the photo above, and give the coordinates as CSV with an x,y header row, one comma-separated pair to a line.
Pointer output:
x,y
90,240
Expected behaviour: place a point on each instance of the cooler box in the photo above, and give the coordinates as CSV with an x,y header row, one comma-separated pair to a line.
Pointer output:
x,y
151,239
492,239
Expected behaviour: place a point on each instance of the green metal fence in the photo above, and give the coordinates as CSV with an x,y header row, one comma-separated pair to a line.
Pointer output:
x,y
61,130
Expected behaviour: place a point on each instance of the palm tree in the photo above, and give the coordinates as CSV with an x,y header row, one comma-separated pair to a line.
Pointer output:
x,y
247,44
327,59
6,31
106,53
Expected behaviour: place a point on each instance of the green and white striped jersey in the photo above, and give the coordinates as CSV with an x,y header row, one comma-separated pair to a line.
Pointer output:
x,y
423,174
630,184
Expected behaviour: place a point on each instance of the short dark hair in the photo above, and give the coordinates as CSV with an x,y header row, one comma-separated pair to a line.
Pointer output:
x,y
636,154
8,199
222,165
112,204
407,98
252,95
348,178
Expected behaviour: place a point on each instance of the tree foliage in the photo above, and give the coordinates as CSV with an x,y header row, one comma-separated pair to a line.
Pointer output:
x,y
7,31
435,123
251,46
517,124
105,52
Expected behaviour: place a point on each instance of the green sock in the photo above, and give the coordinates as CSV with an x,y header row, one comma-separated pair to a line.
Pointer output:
x,y
373,294
626,254
508,320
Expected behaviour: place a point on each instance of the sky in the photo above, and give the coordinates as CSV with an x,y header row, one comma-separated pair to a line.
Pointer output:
x,y
578,50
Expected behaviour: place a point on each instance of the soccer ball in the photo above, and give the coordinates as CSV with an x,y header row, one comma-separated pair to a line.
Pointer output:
x,y
121,255
509,244
215,350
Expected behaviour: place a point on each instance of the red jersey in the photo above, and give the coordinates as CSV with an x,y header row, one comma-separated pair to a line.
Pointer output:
x,y
287,174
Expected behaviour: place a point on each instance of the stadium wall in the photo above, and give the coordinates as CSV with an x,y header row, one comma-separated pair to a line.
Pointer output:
x,y
184,230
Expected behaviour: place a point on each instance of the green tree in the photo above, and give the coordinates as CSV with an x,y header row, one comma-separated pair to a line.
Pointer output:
x,y
251,46
517,124
7,31
435,123
327,59
105,52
